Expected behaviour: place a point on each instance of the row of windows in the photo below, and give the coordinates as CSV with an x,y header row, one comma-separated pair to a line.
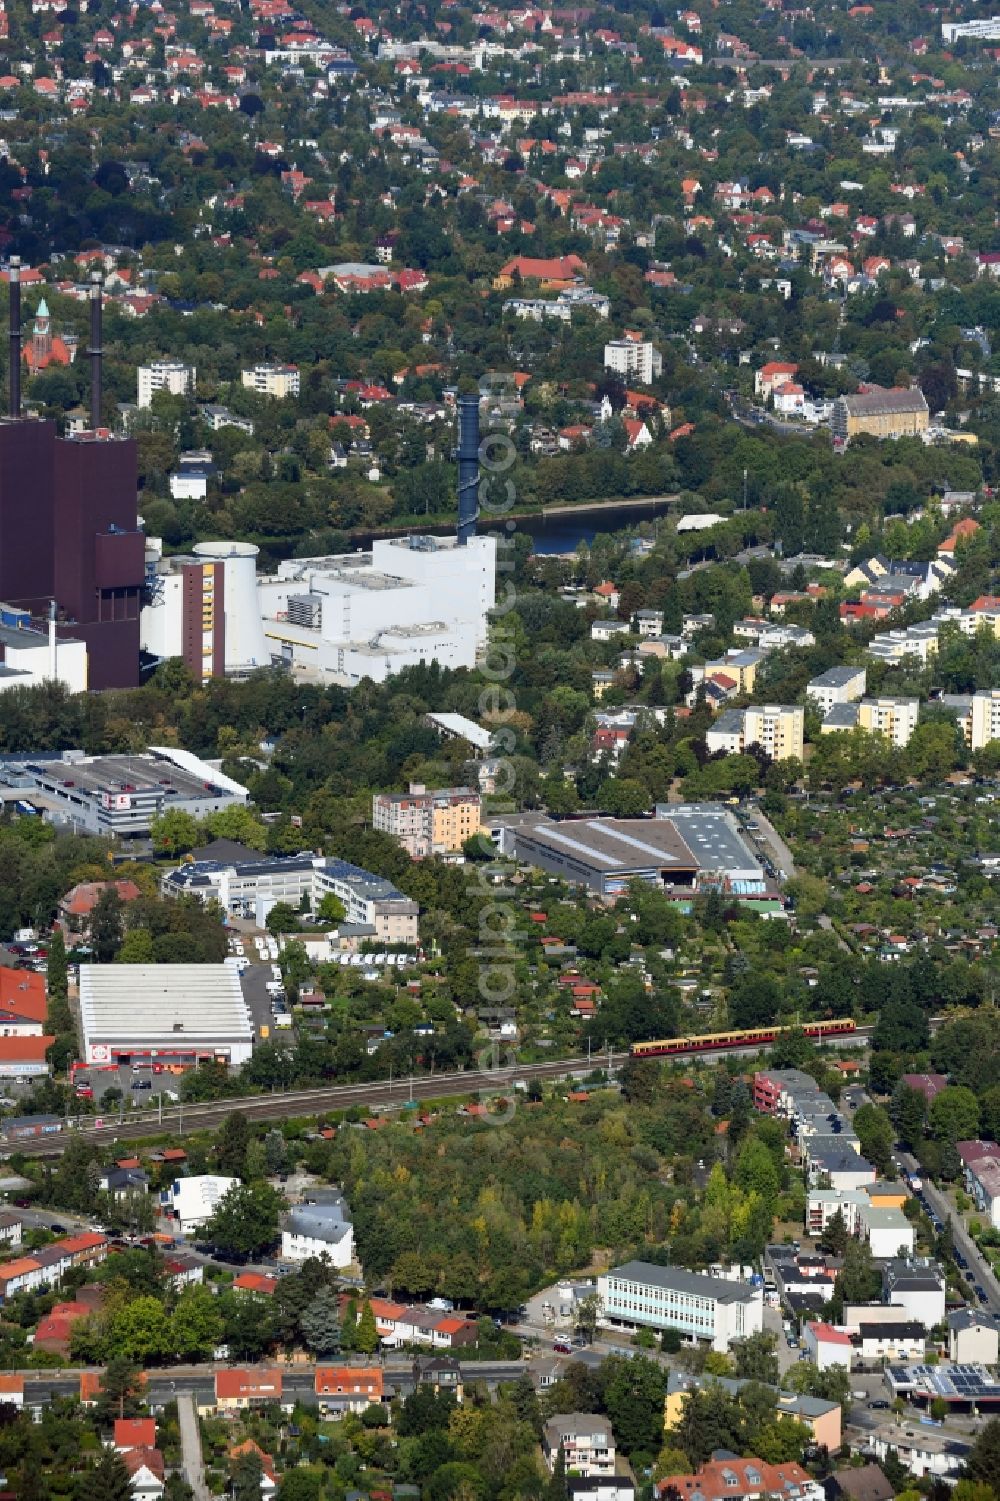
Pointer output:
x,y
660,1295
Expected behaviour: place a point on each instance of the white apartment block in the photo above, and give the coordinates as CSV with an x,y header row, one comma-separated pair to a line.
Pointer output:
x,y
917,641
779,729
984,719
895,718
839,685
172,376
633,358
272,380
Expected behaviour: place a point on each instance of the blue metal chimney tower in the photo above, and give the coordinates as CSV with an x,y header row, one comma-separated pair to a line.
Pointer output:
x,y
468,467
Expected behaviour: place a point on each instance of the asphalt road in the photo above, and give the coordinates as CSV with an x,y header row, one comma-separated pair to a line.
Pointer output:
x,y
963,1240
762,831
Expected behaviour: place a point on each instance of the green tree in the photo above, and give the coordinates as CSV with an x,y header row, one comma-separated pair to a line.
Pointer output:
x,y
909,1113
835,1237
366,1335
858,1281
233,1141
109,1480
118,1387
245,1221
756,1170
141,1331
320,1323
954,1114
107,925
196,1323
983,1460
756,1358
875,1136
282,918
56,967
556,1488
275,1152
137,947
174,833
633,1397
247,1473
331,909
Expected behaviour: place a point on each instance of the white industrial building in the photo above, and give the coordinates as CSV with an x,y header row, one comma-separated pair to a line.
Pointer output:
x,y
172,376
192,1201
30,657
640,1295
204,607
170,1013
409,601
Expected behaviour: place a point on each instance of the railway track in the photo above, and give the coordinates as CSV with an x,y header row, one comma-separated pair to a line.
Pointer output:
x,y
493,1083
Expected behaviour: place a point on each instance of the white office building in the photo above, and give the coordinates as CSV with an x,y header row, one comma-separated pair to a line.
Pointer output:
x,y
193,1201
172,376
411,600
640,1295
250,890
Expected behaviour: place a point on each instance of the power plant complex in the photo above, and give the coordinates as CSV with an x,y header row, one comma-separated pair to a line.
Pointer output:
x,y
71,551
88,600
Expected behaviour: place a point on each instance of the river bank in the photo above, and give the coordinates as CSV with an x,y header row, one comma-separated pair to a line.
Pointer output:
x,y
554,528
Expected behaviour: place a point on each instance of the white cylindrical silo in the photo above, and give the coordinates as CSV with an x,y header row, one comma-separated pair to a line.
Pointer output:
x,y
246,644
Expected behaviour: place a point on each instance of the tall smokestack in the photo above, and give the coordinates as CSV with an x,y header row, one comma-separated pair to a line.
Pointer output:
x,y
468,467
53,647
95,351
14,378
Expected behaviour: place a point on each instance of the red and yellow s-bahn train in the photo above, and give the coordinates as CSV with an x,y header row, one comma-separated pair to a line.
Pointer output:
x,y
756,1037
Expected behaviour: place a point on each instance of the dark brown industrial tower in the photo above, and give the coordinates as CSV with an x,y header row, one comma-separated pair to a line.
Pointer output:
x,y
68,521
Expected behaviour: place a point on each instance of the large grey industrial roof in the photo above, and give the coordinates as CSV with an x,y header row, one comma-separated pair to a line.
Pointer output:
x,y
148,1004
616,844
713,837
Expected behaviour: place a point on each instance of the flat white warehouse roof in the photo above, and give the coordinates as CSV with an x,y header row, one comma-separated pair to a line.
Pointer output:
x,y
163,1004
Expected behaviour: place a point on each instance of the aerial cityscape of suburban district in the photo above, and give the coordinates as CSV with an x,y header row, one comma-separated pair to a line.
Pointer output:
x,y
499,750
